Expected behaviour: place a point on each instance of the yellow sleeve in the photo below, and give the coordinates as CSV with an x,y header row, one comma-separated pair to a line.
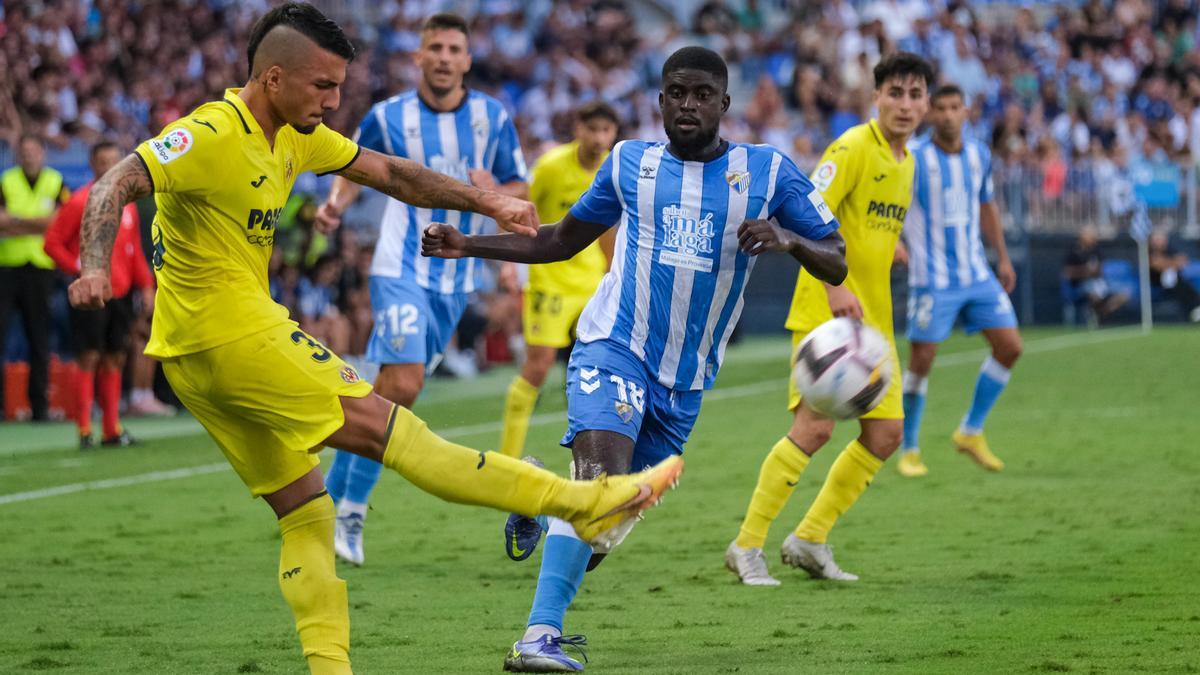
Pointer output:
x,y
837,174
184,158
328,151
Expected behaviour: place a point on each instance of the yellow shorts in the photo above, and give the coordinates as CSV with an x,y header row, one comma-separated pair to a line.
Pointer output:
x,y
549,317
268,400
890,408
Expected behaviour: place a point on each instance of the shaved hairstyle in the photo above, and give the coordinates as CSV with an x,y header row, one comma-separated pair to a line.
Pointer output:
x,y
302,18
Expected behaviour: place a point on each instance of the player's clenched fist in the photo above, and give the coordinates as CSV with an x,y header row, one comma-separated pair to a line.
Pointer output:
x,y
443,241
759,236
512,214
90,291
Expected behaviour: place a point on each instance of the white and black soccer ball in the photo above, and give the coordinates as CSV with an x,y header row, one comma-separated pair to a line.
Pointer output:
x,y
843,368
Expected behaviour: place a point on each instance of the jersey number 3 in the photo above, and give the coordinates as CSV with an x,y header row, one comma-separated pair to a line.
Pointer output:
x,y
320,353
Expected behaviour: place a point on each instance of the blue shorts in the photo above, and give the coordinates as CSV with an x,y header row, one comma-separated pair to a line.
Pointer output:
x,y
610,389
412,324
932,313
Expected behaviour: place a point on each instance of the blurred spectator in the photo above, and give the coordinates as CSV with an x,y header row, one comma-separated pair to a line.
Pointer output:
x,y
316,305
1083,268
30,193
101,336
1167,267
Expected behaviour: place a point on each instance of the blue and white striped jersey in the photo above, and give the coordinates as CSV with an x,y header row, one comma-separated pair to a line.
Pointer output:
x,y
675,290
945,249
476,135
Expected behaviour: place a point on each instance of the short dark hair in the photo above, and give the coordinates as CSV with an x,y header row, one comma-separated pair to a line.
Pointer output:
x,y
309,22
447,21
101,146
947,90
903,64
697,58
596,109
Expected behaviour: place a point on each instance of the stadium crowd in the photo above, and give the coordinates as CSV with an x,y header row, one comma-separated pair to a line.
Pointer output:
x,y
1083,102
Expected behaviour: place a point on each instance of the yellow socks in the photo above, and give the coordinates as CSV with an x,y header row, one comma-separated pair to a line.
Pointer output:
x,y
850,474
459,474
776,481
518,408
311,587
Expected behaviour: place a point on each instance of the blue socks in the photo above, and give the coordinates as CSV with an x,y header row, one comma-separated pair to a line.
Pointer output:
x,y
564,561
352,477
914,388
338,475
992,379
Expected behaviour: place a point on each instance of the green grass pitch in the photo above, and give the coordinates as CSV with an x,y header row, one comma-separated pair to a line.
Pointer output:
x,y
1081,556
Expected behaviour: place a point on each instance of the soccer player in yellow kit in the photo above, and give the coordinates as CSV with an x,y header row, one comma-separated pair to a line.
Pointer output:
x,y
866,177
268,393
557,292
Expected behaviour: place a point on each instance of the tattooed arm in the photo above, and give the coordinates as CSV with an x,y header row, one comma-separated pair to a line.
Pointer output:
x,y
414,184
126,182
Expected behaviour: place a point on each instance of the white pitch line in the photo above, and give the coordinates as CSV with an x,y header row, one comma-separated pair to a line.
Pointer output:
x,y
740,391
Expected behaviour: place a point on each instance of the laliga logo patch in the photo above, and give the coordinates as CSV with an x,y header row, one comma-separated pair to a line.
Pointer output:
x,y
172,146
624,410
350,375
398,342
287,169
738,180
823,176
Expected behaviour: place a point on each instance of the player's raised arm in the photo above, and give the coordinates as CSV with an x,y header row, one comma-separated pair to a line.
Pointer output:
x,y
126,182
414,184
552,243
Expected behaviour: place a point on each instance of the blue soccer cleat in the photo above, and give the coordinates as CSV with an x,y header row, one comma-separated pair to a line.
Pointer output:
x,y
545,655
522,533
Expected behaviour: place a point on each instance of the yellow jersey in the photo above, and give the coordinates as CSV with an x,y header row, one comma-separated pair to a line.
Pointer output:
x,y
558,181
220,187
869,192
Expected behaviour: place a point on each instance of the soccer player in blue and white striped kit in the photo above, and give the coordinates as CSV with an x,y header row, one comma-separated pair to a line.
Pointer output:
x,y
418,301
949,277
692,214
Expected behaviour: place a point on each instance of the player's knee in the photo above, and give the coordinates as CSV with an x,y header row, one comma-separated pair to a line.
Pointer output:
x,y
810,431
1008,352
402,390
88,360
882,440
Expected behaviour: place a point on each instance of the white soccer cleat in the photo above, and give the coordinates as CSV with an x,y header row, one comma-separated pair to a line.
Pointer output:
x,y
749,564
348,535
814,558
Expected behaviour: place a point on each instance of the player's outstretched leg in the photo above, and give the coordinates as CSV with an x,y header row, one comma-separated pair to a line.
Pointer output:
x,y
459,474
777,479
848,478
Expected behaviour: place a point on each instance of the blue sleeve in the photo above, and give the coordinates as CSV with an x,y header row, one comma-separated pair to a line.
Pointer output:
x,y
600,204
370,133
510,163
797,206
985,191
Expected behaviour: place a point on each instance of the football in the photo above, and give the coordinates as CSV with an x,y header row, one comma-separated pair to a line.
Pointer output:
x,y
843,368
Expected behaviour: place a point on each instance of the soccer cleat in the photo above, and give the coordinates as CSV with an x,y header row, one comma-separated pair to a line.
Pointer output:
x,y
976,446
814,558
749,564
910,464
121,440
87,442
348,537
522,533
545,655
624,498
